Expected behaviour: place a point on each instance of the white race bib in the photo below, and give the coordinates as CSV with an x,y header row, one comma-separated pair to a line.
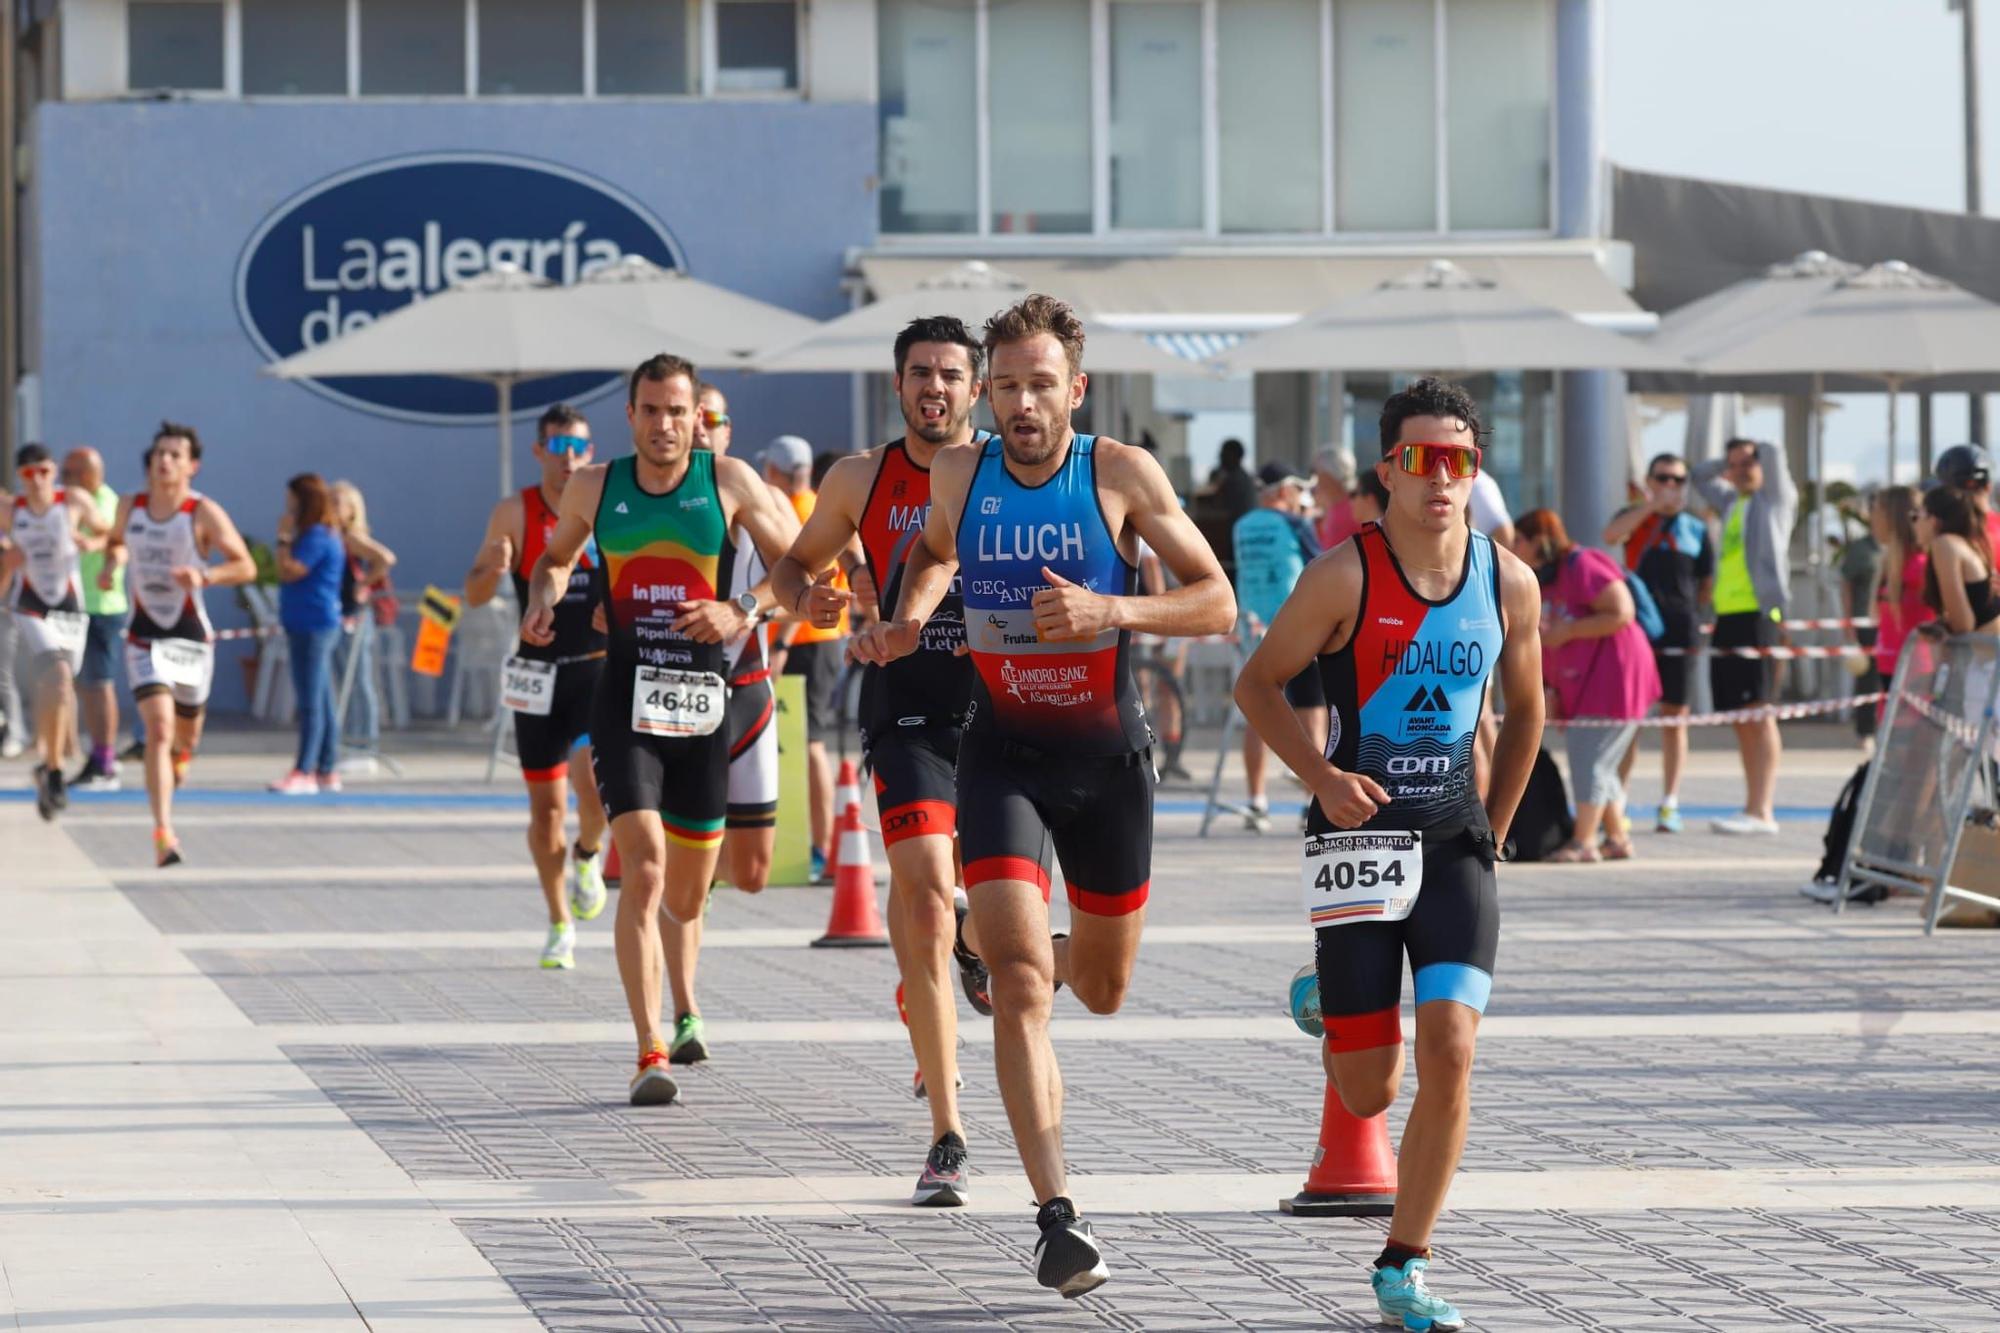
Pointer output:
x,y
528,686
677,703
182,662
69,630
1362,876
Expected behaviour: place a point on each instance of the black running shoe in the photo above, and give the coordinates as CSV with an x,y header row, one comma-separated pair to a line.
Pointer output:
x,y
971,971
59,789
46,803
136,750
1066,1258
945,1183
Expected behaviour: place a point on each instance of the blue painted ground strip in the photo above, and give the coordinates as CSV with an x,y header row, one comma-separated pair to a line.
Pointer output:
x,y
514,800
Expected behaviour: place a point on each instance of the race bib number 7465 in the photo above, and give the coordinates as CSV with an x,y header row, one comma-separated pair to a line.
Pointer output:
x,y
1362,875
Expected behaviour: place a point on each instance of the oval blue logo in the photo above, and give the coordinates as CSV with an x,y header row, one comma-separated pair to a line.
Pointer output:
x,y
365,242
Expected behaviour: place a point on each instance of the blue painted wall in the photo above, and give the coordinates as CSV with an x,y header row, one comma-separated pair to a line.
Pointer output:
x,y
143,210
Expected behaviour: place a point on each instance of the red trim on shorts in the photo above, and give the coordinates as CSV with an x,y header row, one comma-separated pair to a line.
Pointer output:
x,y
1364,1032
990,868
1108,904
918,819
880,786
553,773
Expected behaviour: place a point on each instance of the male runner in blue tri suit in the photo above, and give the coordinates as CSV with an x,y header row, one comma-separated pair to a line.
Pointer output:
x,y
1407,620
1044,526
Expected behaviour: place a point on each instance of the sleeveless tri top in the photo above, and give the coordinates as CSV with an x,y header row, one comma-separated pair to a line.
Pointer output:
x,y
931,686
162,608
50,580
1405,692
659,551
575,640
1064,698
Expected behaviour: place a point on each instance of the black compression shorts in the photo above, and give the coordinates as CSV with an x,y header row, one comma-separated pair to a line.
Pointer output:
x,y
916,783
1743,682
1451,937
544,743
683,778
1014,807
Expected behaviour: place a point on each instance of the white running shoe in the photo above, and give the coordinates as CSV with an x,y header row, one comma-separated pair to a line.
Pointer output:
x,y
586,886
560,951
1257,817
296,783
1745,826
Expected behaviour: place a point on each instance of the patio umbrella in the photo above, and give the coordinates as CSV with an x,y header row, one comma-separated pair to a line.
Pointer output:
x,y
683,309
861,339
501,327
1441,318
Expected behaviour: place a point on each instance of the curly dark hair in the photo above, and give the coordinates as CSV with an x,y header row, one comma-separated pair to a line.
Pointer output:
x,y
1429,397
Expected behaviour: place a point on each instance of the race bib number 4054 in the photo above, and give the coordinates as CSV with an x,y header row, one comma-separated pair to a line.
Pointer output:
x,y
677,703
1362,876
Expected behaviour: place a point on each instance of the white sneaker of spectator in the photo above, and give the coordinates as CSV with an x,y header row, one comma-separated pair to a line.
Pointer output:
x,y
1745,826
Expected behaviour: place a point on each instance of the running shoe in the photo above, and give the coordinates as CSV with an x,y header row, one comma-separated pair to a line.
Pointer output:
x,y
1066,1257
93,776
47,801
60,787
1257,817
1305,1001
135,751
11,745
294,783
1745,826
1669,820
1406,1303
166,849
560,951
972,976
1826,890
330,783
688,1047
653,1085
945,1182
586,884
818,866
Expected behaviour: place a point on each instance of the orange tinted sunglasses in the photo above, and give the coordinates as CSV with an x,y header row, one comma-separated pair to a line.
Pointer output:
x,y
1422,459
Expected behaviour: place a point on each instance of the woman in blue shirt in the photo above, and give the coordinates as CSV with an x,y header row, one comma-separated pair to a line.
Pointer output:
x,y
310,558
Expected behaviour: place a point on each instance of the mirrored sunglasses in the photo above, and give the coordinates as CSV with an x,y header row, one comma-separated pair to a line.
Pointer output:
x,y
567,444
712,418
1422,459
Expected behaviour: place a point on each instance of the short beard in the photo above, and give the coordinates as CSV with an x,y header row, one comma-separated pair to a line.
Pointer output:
x,y
1040,456
946,427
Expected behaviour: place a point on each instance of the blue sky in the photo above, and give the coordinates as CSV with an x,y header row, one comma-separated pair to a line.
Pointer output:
x,y
1859,98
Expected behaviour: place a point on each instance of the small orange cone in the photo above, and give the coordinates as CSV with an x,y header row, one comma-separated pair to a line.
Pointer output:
x,y
1353,1169
856,921
613,872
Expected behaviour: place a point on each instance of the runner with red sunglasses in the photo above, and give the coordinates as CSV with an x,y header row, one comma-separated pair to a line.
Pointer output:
x,y
1406,620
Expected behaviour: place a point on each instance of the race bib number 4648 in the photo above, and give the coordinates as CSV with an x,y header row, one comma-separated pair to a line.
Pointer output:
x,y
1362,876
677,703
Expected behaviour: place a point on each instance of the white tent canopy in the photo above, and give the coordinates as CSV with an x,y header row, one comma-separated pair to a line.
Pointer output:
x,y
1441,318
861,340
684,310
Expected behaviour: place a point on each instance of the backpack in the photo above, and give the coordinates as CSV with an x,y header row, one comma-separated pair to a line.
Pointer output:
x,y
1645,610
1840,826
1542,823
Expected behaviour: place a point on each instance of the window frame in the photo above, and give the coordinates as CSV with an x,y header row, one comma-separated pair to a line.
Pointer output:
x,y
711,54
232,53
1210,232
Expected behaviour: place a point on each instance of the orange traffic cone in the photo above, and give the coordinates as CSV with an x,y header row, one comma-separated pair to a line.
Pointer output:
x,y
855,921
613,872
1353,1169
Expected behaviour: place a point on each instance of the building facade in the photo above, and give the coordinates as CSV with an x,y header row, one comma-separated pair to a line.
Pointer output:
x,y
206,185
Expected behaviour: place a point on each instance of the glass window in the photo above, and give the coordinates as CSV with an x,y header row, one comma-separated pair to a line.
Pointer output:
x,y
1156,112
174,46
530,46
294,48
644,48
1268,89
1385,114
1038,62
928,108
756,46
412,48
1498,53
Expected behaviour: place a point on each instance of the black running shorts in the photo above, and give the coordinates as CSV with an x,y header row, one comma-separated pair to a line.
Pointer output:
x,y
1015,806
1451,938
544,743
685,779
1743,682
916,782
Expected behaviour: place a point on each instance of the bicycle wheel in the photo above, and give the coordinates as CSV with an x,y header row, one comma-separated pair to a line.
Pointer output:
x,y
1166,710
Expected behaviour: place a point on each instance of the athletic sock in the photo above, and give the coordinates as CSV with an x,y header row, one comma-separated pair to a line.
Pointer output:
x,y
581,854
105,757
1395,1254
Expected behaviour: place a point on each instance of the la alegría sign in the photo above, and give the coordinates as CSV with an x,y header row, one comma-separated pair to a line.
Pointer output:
x,y
355,246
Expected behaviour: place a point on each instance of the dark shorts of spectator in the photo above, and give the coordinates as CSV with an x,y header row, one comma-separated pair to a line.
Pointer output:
x,y
820,664
101,650
1743,682
1676,673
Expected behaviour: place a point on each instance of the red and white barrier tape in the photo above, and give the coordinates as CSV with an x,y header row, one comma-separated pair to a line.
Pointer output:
x,y
1783,712
255,632
1963,730
1781,654
1836,622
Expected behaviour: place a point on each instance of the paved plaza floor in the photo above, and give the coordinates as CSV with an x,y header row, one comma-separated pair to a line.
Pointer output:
x,y
314,1079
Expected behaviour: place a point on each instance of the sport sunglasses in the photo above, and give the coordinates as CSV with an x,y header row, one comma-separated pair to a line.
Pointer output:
x,y
567,444
1422,459
712,418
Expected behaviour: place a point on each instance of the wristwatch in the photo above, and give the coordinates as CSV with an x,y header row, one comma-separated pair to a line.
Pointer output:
x,y
746,602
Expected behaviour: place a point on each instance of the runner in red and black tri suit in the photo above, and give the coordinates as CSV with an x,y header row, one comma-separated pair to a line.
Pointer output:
x,y
1043,526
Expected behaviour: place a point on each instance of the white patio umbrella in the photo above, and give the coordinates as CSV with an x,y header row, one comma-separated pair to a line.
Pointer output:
x,y
500,328
861,339
681,308
1442,318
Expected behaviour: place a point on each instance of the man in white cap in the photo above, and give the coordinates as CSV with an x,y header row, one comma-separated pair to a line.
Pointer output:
x,y
805,649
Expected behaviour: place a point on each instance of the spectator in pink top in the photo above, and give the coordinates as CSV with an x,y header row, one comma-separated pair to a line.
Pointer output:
x,y
1899,592
1333,474
1599,668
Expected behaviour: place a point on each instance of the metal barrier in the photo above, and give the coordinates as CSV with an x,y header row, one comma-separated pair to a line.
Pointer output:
x,y
1933,766
1242,643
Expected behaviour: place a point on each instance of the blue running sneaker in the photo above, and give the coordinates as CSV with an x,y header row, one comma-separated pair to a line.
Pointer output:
x,y
1406,1303
1305,1001
818,866
1670,818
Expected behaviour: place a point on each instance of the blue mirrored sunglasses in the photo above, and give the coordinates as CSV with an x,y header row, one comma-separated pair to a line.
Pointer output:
x,y
567,444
